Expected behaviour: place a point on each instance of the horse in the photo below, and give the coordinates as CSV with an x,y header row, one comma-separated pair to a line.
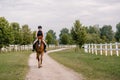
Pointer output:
x,y
39,51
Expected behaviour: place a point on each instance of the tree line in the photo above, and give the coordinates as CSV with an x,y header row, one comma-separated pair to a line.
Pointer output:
x,y
80,34
13,33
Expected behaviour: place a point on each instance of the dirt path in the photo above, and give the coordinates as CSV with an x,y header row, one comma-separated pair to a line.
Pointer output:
x,y
50,70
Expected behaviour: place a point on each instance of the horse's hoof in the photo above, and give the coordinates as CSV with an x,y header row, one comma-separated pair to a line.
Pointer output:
x,y
39,66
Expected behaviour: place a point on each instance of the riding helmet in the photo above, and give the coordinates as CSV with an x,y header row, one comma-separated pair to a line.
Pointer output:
x,y
39,27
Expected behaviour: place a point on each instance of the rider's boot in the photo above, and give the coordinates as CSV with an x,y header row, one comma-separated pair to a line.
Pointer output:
x,y
45,48
33,47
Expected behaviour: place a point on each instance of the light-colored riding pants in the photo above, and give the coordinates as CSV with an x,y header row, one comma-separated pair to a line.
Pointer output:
x,y
37,40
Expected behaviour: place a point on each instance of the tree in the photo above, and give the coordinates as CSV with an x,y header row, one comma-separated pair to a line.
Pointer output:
x,y
93,29
64,36
49,38
63,31
16,33
78,33
106,31
65,39
53,36
26,35
93,34
5,33
56,42
34,35
117,34
93,38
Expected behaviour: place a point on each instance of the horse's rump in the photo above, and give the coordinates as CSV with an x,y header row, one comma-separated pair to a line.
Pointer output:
x,y
39,46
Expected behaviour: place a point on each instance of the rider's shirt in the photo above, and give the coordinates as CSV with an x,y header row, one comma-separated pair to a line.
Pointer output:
x,y
40,34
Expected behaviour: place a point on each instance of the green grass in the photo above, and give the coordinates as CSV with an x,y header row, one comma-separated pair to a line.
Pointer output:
x,y
92,67
14,65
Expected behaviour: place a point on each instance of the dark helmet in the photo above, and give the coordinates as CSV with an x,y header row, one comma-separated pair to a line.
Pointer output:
x,y
39,27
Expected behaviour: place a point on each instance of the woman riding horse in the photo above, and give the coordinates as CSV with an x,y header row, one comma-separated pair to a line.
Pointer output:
x,y
40,46
39,35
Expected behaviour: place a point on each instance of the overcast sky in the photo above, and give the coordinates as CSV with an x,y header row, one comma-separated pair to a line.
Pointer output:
x,y
57,14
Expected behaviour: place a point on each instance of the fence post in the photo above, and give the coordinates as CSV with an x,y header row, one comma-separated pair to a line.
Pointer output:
x,y
106,49
92,48
89,48
86,48
117,49
10,48
111,49
95,49
101,49
15,47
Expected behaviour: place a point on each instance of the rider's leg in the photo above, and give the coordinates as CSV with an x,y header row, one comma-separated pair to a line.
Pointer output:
x,y
44,46
34,44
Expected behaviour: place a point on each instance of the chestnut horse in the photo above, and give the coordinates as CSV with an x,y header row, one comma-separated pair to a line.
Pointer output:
x,y
39,51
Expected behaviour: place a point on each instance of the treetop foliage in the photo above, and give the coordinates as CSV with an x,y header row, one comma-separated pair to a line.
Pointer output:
x,y
13,33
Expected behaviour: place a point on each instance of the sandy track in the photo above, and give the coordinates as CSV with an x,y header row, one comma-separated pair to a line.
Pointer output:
x,y
50,70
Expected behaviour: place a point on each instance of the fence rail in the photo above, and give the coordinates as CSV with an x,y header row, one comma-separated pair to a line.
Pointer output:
x,y
29,47
16,48
103,49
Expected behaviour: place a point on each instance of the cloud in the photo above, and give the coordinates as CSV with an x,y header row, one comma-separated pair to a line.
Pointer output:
x,y
57,14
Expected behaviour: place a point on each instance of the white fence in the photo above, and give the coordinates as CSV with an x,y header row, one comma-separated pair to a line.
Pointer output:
x,y
29,47
103,49
16,48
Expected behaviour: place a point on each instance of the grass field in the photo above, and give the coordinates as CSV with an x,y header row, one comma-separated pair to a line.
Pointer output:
x,y
14,65
92,67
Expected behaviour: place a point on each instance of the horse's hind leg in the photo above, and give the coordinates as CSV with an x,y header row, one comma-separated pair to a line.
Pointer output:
x,y
39,64
41,57
40,61
37,56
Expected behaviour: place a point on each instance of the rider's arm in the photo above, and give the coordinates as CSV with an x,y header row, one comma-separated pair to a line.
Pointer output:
x,y
36,34
42,34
